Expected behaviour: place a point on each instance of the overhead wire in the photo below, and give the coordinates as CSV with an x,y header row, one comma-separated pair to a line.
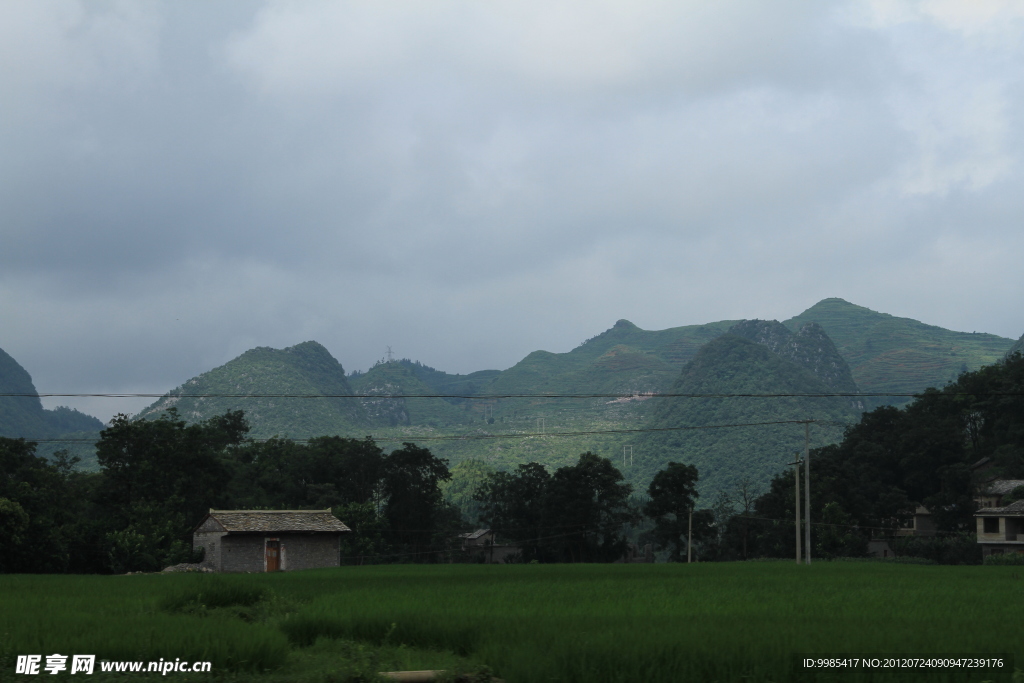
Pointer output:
x,y
521,435
490,397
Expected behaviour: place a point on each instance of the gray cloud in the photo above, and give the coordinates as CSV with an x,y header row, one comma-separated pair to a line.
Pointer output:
x,y
468,182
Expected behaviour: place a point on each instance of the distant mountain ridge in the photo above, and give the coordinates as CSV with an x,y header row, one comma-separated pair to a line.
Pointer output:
x,y
804,354
834,346
306,369
24,416
901,355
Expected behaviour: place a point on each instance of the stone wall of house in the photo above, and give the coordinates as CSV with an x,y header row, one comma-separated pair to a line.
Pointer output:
x,y
247,553
242,554
211,542
307,551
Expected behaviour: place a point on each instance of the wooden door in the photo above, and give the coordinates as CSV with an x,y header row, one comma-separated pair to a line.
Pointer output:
x,y
273,556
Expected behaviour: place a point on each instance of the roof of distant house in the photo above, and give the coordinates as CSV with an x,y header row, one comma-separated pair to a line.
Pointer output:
x,y
1000,487
474,535
276,521
1015,509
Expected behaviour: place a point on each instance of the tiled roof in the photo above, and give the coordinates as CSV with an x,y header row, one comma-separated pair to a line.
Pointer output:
x,y
276,521
474,535
1014,509
1000,487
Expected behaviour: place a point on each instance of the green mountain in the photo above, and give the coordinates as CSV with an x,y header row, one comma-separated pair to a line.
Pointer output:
x,y
306,369
20,415
453,385
904,356
24,416
1017,347
732,364
810,347
397,377
622,359
832,347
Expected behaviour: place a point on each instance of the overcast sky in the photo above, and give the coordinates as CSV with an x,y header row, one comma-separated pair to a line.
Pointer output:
x,y
467,182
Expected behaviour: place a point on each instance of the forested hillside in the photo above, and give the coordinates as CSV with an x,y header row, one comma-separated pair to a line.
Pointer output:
x,y
306,369
1018,347
24,415
728,456
936,451
900,355
400,378
533,411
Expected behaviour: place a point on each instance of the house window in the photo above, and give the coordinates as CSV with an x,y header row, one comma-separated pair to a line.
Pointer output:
x,y
991,525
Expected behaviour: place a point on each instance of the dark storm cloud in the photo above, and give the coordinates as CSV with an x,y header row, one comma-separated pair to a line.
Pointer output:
x,y
467,182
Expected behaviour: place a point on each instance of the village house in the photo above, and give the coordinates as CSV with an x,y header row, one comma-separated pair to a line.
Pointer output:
x,y
1001,529
995,493
919,523
994,502
269,540
481,544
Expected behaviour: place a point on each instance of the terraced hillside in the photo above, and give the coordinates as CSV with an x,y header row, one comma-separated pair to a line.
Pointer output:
x,y
901,355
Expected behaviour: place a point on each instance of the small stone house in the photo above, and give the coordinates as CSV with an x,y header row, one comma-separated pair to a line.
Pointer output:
x,y
481,544
1001,529
269,540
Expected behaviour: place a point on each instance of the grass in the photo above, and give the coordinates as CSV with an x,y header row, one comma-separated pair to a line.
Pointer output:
x,y
703,622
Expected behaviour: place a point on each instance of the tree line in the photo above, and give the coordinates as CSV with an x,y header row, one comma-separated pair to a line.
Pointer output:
x,y
938,452
159,477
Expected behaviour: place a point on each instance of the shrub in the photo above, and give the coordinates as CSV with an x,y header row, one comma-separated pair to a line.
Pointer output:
x,y
1005,559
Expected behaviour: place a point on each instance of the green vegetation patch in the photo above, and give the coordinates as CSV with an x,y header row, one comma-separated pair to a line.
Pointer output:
x,y
650,623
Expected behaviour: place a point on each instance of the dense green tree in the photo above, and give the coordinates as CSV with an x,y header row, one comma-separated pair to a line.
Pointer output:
x,y
159,478
895,459
414,506
467,477
673,495
45,509
368,540
588,503
513,505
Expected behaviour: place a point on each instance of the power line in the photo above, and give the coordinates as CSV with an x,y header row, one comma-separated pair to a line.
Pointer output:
x,y
520,435
492,396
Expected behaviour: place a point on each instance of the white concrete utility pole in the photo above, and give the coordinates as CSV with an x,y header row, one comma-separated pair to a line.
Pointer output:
x,y
689,535
796,498
807,488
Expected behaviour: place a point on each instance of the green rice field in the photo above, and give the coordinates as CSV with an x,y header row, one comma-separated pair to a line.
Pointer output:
x,y
575,623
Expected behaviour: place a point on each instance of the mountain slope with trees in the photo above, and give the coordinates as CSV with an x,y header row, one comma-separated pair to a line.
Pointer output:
x,y
306,369
901,355
842,345
25,416
936,451
726,457
400,378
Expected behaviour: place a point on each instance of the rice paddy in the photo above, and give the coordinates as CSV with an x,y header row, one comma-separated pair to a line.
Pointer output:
x,y
750,621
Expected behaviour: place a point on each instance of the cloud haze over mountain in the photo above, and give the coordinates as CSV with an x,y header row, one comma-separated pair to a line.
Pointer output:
x,y
467,182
